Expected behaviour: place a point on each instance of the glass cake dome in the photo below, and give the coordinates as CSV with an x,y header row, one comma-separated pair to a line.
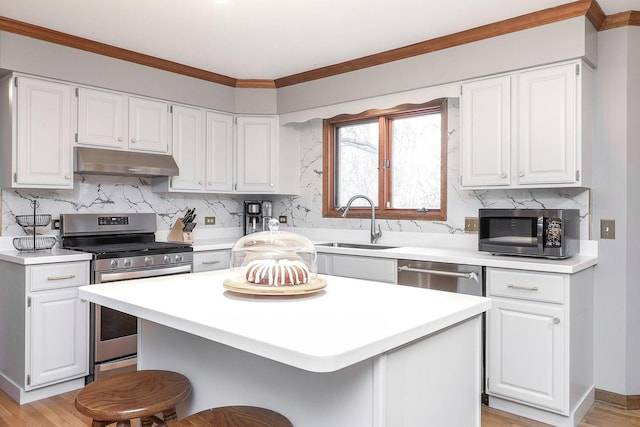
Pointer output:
x,y
274,254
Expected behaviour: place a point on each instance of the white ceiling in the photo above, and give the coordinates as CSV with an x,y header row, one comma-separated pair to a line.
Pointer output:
x,y
270,39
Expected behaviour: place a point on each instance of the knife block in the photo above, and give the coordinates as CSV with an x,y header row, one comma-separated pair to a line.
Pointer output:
x,y
178,235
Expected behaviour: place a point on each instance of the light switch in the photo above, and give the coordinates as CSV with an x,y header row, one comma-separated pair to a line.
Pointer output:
x,y
607,229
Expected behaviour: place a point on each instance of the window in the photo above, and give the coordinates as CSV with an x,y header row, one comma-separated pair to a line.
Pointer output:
x,y
396,157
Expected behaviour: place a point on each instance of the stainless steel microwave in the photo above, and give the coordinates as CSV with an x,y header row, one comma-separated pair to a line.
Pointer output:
x,y
546,233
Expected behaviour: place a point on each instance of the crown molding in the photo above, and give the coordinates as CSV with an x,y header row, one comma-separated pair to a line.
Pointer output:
x,y
589,8
57,37
523,22
624,19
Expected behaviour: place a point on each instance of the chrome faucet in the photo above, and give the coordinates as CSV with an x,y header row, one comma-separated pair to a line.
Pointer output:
x,y
374,235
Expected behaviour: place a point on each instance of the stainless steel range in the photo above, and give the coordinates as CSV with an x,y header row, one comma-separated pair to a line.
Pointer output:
x,y
123,247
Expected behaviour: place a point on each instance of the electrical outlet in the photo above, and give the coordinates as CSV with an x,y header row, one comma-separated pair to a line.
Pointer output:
x,y
209,220
470,224
607,229
282,219
55,224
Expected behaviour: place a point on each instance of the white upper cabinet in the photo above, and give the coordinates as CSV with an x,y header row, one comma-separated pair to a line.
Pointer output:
x,y
122,122
547,125
148,120
528,129
188,148
101,118
486,132
219,158
203,148
37,133
257,154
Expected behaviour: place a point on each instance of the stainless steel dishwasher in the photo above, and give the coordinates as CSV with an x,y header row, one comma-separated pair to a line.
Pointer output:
x,y
458,278
462,279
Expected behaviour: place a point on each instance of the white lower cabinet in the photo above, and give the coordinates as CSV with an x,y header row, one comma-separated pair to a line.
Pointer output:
x,y
358,267
58,345
211,260
539,340
527,352
45,326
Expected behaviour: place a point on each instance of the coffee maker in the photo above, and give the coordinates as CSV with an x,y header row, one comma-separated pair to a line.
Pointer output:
x,y
257,214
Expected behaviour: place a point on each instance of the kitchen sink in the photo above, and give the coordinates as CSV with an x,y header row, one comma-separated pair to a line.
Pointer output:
x,y
355,245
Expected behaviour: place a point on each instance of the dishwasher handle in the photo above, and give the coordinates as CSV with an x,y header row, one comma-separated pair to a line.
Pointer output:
x,y
472,275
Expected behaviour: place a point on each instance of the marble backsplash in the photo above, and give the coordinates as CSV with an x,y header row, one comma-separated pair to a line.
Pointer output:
x,y
96,194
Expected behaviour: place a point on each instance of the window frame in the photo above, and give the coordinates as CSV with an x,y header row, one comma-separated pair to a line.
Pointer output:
x,y
384,117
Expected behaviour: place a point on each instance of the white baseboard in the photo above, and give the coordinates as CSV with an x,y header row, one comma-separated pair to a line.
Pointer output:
x,y
21,396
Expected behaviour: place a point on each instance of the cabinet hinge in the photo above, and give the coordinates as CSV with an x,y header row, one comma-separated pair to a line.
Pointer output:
x,y
387,163
15,177
460,90
235,120
15,82
577,175
77,92
28,301
171,109
235,187
76,136
28,379
577,69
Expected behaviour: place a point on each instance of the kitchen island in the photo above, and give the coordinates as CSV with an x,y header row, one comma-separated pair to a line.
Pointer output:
x,y
355,354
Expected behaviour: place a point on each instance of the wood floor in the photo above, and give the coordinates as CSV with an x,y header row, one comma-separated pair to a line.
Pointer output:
x,y
59,411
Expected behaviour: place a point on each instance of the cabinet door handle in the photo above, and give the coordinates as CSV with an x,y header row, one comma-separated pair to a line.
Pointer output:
x,y
70,276
523,288
556,320
210,262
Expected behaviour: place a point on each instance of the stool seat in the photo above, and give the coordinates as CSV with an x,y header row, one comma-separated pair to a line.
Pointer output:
x,y
233,416
141,394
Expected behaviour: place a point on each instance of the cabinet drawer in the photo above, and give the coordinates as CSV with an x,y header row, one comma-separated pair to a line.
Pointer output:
x,y
59,275
527,285
211,260
367,268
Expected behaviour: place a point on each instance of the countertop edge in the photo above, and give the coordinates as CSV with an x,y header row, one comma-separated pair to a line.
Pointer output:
x,y
470,307
52,256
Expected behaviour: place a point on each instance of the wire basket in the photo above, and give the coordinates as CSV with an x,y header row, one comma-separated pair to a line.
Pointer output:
x,y
34,243
33,220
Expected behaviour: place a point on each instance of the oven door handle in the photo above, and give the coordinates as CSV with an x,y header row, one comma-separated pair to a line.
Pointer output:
x,y
125,275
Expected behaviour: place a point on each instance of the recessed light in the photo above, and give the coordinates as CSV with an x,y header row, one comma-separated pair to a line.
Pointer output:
x,y
221,1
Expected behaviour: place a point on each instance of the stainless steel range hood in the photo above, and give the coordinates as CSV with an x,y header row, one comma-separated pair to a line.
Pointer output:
x,y
113,162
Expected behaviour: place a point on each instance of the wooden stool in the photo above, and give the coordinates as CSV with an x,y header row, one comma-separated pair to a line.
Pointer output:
x,y
235,416
141,394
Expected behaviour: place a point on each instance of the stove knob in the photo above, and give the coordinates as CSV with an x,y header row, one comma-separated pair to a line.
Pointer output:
x,y
148,260
113,263
167,259
179,258
126,262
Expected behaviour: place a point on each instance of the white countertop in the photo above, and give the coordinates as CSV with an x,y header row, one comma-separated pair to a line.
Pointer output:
x,y
347,322
454,255
457,249
44,257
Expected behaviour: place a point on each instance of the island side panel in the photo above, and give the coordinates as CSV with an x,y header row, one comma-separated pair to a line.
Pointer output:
x,y
221,375
436,380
